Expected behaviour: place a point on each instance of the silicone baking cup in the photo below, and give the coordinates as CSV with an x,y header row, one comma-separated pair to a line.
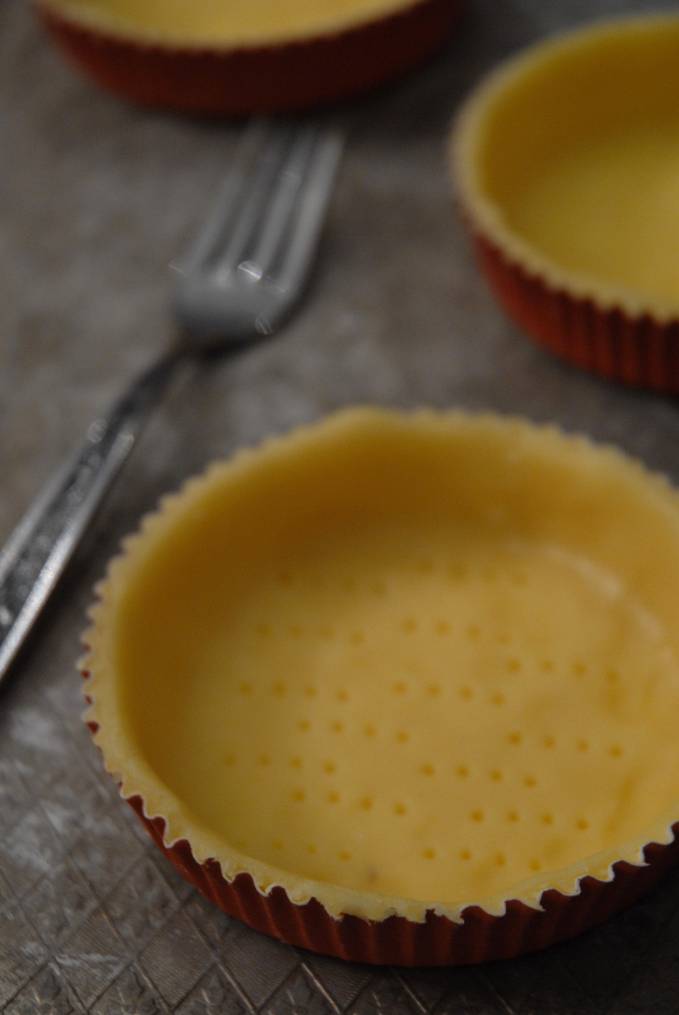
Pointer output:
x,y
565,161
402,688
238,59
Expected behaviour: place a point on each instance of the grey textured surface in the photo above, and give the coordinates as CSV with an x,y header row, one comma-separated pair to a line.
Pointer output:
x,y
96,200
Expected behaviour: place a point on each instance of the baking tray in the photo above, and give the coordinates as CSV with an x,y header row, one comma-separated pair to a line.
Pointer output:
x,y
97,198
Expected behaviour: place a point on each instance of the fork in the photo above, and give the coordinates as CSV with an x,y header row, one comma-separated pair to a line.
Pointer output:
x,y
238,284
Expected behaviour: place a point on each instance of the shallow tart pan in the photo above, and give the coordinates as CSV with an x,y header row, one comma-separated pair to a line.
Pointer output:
x,y
236,59
566,166
402,687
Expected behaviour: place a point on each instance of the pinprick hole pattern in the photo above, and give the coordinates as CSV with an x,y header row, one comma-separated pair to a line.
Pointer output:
x,y
517,667
385,693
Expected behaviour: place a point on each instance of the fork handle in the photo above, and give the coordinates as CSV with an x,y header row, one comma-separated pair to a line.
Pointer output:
x,y
40,547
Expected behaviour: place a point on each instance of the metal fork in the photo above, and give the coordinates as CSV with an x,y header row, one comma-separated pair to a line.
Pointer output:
x,y
238,284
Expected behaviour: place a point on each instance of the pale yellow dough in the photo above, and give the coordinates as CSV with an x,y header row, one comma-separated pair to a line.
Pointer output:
x,y
569,158
426,657
230,22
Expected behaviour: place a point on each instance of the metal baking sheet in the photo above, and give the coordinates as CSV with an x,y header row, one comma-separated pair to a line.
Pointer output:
x,y
96,200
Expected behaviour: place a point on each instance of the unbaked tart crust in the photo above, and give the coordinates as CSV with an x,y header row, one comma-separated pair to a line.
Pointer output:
x,y
247,56
567,165
400,663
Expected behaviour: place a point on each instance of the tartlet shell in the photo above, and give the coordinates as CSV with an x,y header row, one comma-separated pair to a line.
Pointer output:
x,y
437,941
589,892
634,349
396,940
617,337
238,81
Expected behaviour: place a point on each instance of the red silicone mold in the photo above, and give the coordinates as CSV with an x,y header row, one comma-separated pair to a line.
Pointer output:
x,y
241,81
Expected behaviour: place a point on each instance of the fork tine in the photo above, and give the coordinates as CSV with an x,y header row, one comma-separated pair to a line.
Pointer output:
x,y
275,214
240,195
284,197
306,219
253,211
